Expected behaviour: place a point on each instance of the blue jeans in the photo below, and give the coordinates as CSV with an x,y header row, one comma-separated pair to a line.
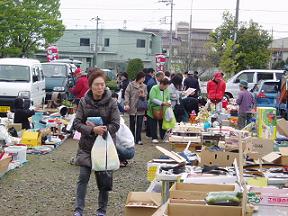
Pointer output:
x,y
125,153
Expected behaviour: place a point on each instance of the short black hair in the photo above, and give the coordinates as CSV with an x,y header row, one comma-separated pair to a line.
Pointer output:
x,y
196,72
145,70
165,81
140,75
167,73
19,103
150,70
186,72
177,80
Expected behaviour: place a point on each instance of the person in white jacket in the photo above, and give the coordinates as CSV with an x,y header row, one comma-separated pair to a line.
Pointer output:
x,y
125,144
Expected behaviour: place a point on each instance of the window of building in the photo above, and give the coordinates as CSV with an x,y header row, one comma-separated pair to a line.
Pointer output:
x,y
107,42
140,43
150,45
84,41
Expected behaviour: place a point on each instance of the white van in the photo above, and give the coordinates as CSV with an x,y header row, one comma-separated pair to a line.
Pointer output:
x,y
20,77
252,77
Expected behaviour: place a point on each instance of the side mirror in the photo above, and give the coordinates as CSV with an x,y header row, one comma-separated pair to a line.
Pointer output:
x,y
237,80
35,78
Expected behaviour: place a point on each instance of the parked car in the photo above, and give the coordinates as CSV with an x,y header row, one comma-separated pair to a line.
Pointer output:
x,y
252,77
267,95
58,77
74,62
20,78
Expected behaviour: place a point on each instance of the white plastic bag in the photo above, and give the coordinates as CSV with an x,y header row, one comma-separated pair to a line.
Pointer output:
x,y
104,154
124,136
169,114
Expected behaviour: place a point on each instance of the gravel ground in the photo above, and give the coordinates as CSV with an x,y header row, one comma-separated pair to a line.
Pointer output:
x,y
46,184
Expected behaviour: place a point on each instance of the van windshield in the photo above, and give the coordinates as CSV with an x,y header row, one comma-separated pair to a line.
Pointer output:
x,y
14,73
53,70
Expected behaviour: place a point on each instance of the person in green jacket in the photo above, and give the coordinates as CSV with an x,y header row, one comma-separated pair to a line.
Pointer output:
x,y
159,99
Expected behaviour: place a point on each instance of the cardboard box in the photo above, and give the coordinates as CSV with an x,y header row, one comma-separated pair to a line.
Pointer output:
x,y
17,126
266,122
217,158
142,203
182,209
268,196
260,146
282,127
280,158
194,192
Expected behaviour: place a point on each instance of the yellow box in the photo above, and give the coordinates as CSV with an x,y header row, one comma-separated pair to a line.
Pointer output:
x,y
31,139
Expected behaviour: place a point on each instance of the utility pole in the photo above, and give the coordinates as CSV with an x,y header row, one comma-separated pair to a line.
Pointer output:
x,y
96,40
190,38
169,2
236,20
171,37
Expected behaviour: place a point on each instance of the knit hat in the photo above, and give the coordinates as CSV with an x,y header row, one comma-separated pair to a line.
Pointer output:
x,y
244,84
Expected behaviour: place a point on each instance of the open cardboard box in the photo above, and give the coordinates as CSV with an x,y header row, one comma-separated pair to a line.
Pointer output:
x,y
217,158
280,158
142,203
196,192
184,209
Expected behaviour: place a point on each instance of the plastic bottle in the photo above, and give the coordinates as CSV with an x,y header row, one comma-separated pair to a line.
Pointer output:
x,y
192,118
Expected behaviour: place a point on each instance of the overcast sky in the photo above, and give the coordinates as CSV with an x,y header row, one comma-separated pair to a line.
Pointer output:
x,y
141,14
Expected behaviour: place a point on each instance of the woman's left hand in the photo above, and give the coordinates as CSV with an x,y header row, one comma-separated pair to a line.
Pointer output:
x,y
90,124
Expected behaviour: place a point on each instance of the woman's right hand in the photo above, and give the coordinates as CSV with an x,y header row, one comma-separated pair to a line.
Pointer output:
x,y
100,130
166,104
126,107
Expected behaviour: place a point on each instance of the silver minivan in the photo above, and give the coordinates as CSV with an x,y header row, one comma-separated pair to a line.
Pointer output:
x,y
252,77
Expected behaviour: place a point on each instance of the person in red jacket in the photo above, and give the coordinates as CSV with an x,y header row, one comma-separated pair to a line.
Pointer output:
x,y
81,86
216,90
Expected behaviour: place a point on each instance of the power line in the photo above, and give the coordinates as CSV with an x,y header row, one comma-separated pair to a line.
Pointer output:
x,y
177,9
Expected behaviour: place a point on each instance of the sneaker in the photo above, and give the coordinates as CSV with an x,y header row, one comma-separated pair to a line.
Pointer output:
x,y
139,143
165,141
155,141
100,213
77,214
123,163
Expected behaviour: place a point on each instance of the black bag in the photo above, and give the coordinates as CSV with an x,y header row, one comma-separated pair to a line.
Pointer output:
x,y
142,104
179,111
104,180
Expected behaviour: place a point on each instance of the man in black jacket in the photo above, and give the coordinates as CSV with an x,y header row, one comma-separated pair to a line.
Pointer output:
x,y
191,82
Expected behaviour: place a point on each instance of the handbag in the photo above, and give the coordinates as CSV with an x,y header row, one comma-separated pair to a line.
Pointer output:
x,y
142,104
158,114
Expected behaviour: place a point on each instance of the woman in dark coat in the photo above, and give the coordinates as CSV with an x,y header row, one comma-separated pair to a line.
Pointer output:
x,y
22,113
97,103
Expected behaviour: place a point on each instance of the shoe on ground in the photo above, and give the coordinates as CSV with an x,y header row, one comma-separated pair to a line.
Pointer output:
x,y
123,163
155,141
77,214
100,213
139,143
